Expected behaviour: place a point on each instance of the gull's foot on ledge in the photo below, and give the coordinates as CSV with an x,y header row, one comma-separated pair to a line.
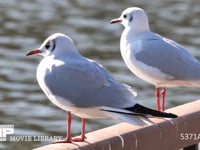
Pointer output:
x,y
70,140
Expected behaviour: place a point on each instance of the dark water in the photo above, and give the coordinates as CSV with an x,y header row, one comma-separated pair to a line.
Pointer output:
x,y
24,26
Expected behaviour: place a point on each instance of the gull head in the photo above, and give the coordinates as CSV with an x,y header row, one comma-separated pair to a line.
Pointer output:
x,y
133,18
56,44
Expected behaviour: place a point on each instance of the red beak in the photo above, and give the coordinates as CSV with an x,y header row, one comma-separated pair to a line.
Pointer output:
x,y
116,21
34,52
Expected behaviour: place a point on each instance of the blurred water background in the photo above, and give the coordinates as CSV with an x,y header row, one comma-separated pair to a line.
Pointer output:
x,y
26,23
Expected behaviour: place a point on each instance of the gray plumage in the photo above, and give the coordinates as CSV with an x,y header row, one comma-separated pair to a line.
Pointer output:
x,y
86,84
169,57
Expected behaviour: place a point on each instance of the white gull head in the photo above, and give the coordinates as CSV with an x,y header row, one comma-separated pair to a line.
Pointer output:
x,y
55,45
133,18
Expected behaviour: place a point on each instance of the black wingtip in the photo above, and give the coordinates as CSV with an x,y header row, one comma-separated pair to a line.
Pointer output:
x,y
172,115
144,110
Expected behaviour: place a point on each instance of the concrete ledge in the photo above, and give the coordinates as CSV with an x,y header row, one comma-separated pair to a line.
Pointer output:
x,y
164,134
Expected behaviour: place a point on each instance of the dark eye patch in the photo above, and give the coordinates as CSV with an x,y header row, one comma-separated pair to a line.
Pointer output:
x,y
131,18
54,45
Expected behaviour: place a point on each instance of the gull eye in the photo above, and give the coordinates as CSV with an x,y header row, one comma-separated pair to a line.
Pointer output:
x,y
47,46
50,45
125,16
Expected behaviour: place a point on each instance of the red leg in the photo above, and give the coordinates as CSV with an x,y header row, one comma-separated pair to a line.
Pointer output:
x,y
163,92
157,94
68,139
83,137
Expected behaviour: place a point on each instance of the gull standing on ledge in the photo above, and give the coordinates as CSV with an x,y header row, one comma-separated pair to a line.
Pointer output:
x,y
153,58
83,87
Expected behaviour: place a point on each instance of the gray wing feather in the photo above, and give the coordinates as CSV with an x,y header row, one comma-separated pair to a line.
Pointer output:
x,y
87,84
169,57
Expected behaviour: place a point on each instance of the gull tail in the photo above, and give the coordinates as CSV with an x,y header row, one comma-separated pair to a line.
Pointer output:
x,y
136,114
137,108
134,119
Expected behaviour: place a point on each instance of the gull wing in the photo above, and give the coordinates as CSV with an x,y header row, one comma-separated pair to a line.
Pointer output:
x,y
86,83
169,57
